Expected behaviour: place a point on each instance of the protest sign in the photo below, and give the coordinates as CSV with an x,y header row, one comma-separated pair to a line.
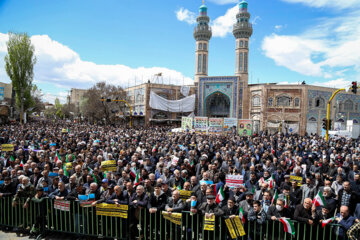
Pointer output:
x,y
235,227
229,124
7,147
200,124
109,165
186,123
209,223
62,205
184,194
245,127
298,179
216,125
172,217
112,210
234,180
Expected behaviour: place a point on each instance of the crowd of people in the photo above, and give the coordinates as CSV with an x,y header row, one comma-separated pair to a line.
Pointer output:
x,y
152,164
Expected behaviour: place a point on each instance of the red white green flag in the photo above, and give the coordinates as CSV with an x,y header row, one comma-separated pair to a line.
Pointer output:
x,y
275,197
287,201
319,200
21,163
92,174
137,179
133,172
288,225
241,215
326,222
57,157
220,196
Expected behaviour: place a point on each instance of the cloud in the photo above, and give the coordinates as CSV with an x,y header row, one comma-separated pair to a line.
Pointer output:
x,y
327,3
184,15
223,25
278,28
321,50
59,65
337,83
256,18
50,98
223,2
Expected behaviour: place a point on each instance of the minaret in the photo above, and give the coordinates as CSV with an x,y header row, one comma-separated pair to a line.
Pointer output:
x,y
202,35
242,31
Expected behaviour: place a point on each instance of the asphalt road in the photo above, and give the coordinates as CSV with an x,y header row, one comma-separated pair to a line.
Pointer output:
x,y
54,236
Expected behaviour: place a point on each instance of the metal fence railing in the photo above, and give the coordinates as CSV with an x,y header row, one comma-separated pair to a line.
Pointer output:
x,y
72,218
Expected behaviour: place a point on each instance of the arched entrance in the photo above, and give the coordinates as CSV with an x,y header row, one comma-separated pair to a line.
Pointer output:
x,y
217,105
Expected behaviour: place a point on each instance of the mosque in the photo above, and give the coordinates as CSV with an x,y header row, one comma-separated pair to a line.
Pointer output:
x,y
290,108
271,107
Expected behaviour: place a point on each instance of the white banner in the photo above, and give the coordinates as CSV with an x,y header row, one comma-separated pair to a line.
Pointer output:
x,y
234,180
186,104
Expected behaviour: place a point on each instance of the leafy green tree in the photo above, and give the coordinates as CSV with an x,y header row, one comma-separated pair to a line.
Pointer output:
x,y
19,65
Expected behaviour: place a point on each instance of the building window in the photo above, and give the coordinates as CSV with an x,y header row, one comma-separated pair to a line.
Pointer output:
x,y
204,63
270,102
200,46
241,62
348,105
205,47
319,102
256,101
297,102
241,43
199,63
245,62
283,101
246,44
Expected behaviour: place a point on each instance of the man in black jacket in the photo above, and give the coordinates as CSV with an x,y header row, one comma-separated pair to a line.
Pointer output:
x,y
230,210
305,213
157,200
278,211
347,197
8,188
175,204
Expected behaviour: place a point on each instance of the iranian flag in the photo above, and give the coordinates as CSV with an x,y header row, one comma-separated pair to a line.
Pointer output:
x,y
137,179
326,222
65,171
275,197
287,201
288,225
133,172
92,174
271,182
319,200
57,157
21,163
241,215
12,159
220,196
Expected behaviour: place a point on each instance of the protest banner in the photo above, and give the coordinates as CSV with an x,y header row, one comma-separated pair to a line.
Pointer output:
x,y
184,194
245,127
109,165
7,147
229,124
86,200
112,210
62,205
234,180
68,166
200,124
172,217
209,223
216,125
298,179
186,123
235,227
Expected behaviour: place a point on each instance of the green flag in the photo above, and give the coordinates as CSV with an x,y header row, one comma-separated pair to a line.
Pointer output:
x,y
65,171
12,159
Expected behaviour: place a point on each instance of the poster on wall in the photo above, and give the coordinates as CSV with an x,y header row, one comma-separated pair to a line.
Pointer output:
x,y
229,124
200,124
216,125
186,123
245,127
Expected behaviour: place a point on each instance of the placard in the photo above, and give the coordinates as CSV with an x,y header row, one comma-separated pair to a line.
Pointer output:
x,y
245,127
200,124
112,210
235,227
109,165
229,124
172,217
62,205
7,147
216,125
186,123
209,223
184,194
298,179
234,180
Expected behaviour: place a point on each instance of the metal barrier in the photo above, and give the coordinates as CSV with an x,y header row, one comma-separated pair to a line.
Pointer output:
x,y
83,221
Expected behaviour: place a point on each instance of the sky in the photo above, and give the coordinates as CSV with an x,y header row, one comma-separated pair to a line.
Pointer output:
x,y
126,42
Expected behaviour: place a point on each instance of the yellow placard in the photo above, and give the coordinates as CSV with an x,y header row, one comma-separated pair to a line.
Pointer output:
x,y
185,195
109,165
230,228
172,217
7,147
112,210
235,227
209,223
298,179
239,226
68,166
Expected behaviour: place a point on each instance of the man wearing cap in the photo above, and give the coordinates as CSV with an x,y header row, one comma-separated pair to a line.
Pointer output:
x,y
286,182
210,208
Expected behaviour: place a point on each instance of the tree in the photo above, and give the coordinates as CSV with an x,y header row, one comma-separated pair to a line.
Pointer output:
x,y
19,65
94,109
